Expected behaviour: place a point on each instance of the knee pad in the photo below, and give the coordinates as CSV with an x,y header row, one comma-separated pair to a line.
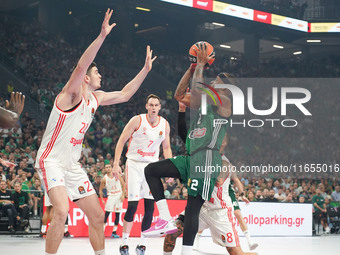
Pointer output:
x,y
131,210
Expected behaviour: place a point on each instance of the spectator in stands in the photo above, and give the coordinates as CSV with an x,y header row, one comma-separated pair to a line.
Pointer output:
x,y
336,194
96,184
167,193
7,207
36,194
289,198
251,196
271,197
21,204
302,200
320,211
280,195
258,195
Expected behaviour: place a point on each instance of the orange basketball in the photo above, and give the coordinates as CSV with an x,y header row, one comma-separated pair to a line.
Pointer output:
x,y
193,54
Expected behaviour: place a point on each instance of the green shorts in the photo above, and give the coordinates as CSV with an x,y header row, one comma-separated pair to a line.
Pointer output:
x,y
199,179
233,198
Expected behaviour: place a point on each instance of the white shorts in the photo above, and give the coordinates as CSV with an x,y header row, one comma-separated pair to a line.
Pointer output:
x,y
47,201
113,203
221,225
75,180
138,188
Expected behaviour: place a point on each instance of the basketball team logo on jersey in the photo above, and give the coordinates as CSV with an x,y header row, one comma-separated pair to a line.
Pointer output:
x,y
160,133
197,133
81,190
92,113
223,238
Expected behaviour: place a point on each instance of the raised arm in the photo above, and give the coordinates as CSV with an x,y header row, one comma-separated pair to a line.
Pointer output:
x,y
10,115
166,143
72,92
116,97
181,122
132,125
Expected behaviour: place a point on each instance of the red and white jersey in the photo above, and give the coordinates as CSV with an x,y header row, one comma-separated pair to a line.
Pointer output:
x,y
145,141
64,135
112,185
220,198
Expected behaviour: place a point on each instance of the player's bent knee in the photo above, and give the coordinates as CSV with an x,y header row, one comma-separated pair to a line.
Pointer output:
x,y
60,215
131,210
149,169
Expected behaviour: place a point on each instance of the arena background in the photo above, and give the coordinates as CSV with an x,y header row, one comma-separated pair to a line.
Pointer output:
x,y
283,43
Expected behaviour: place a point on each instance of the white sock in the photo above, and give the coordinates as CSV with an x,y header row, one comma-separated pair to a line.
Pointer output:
x,y
167,253
126,238
43,228
163,209
101,252
197,240
143,240
66,228
115,228
246,233
35,212
186,250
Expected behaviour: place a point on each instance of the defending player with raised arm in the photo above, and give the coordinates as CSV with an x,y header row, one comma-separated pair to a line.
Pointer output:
x,y
57,158
146,133
203,142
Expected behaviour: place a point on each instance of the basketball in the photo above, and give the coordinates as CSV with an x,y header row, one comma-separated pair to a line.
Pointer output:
x,y
194,48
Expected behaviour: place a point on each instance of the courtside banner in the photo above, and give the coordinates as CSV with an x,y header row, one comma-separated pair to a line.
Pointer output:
x,y
276,219
78,222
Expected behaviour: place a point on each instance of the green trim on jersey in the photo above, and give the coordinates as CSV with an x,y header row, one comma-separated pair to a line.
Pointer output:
x,y
233,198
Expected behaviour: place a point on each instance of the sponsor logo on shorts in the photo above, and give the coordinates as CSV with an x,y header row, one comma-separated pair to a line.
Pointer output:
x,y
223,238
81,190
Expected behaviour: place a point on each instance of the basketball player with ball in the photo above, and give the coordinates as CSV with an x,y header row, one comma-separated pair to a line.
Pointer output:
x,y
146,133
57,158
203,143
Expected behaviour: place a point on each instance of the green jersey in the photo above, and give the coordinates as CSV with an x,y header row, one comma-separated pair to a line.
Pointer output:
x,y
206,131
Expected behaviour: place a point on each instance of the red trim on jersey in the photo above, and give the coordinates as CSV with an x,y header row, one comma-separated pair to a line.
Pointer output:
x,y
127,178
140,122
64,111
230,217
219,196
159,121
96,99
50,145
130,140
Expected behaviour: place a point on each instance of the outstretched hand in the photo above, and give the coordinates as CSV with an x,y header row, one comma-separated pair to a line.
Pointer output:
x,y
7,163
16,104
106,27
148,59
202,54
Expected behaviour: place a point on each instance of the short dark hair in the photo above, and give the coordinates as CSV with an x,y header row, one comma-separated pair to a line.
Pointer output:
x,y
93,64
152,96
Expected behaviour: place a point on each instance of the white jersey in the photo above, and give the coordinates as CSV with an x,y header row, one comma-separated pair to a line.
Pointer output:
x,y
63,138
112,185
220,198
145,141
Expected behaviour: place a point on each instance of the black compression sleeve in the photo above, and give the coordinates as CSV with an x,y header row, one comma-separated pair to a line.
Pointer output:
x,y
182,126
